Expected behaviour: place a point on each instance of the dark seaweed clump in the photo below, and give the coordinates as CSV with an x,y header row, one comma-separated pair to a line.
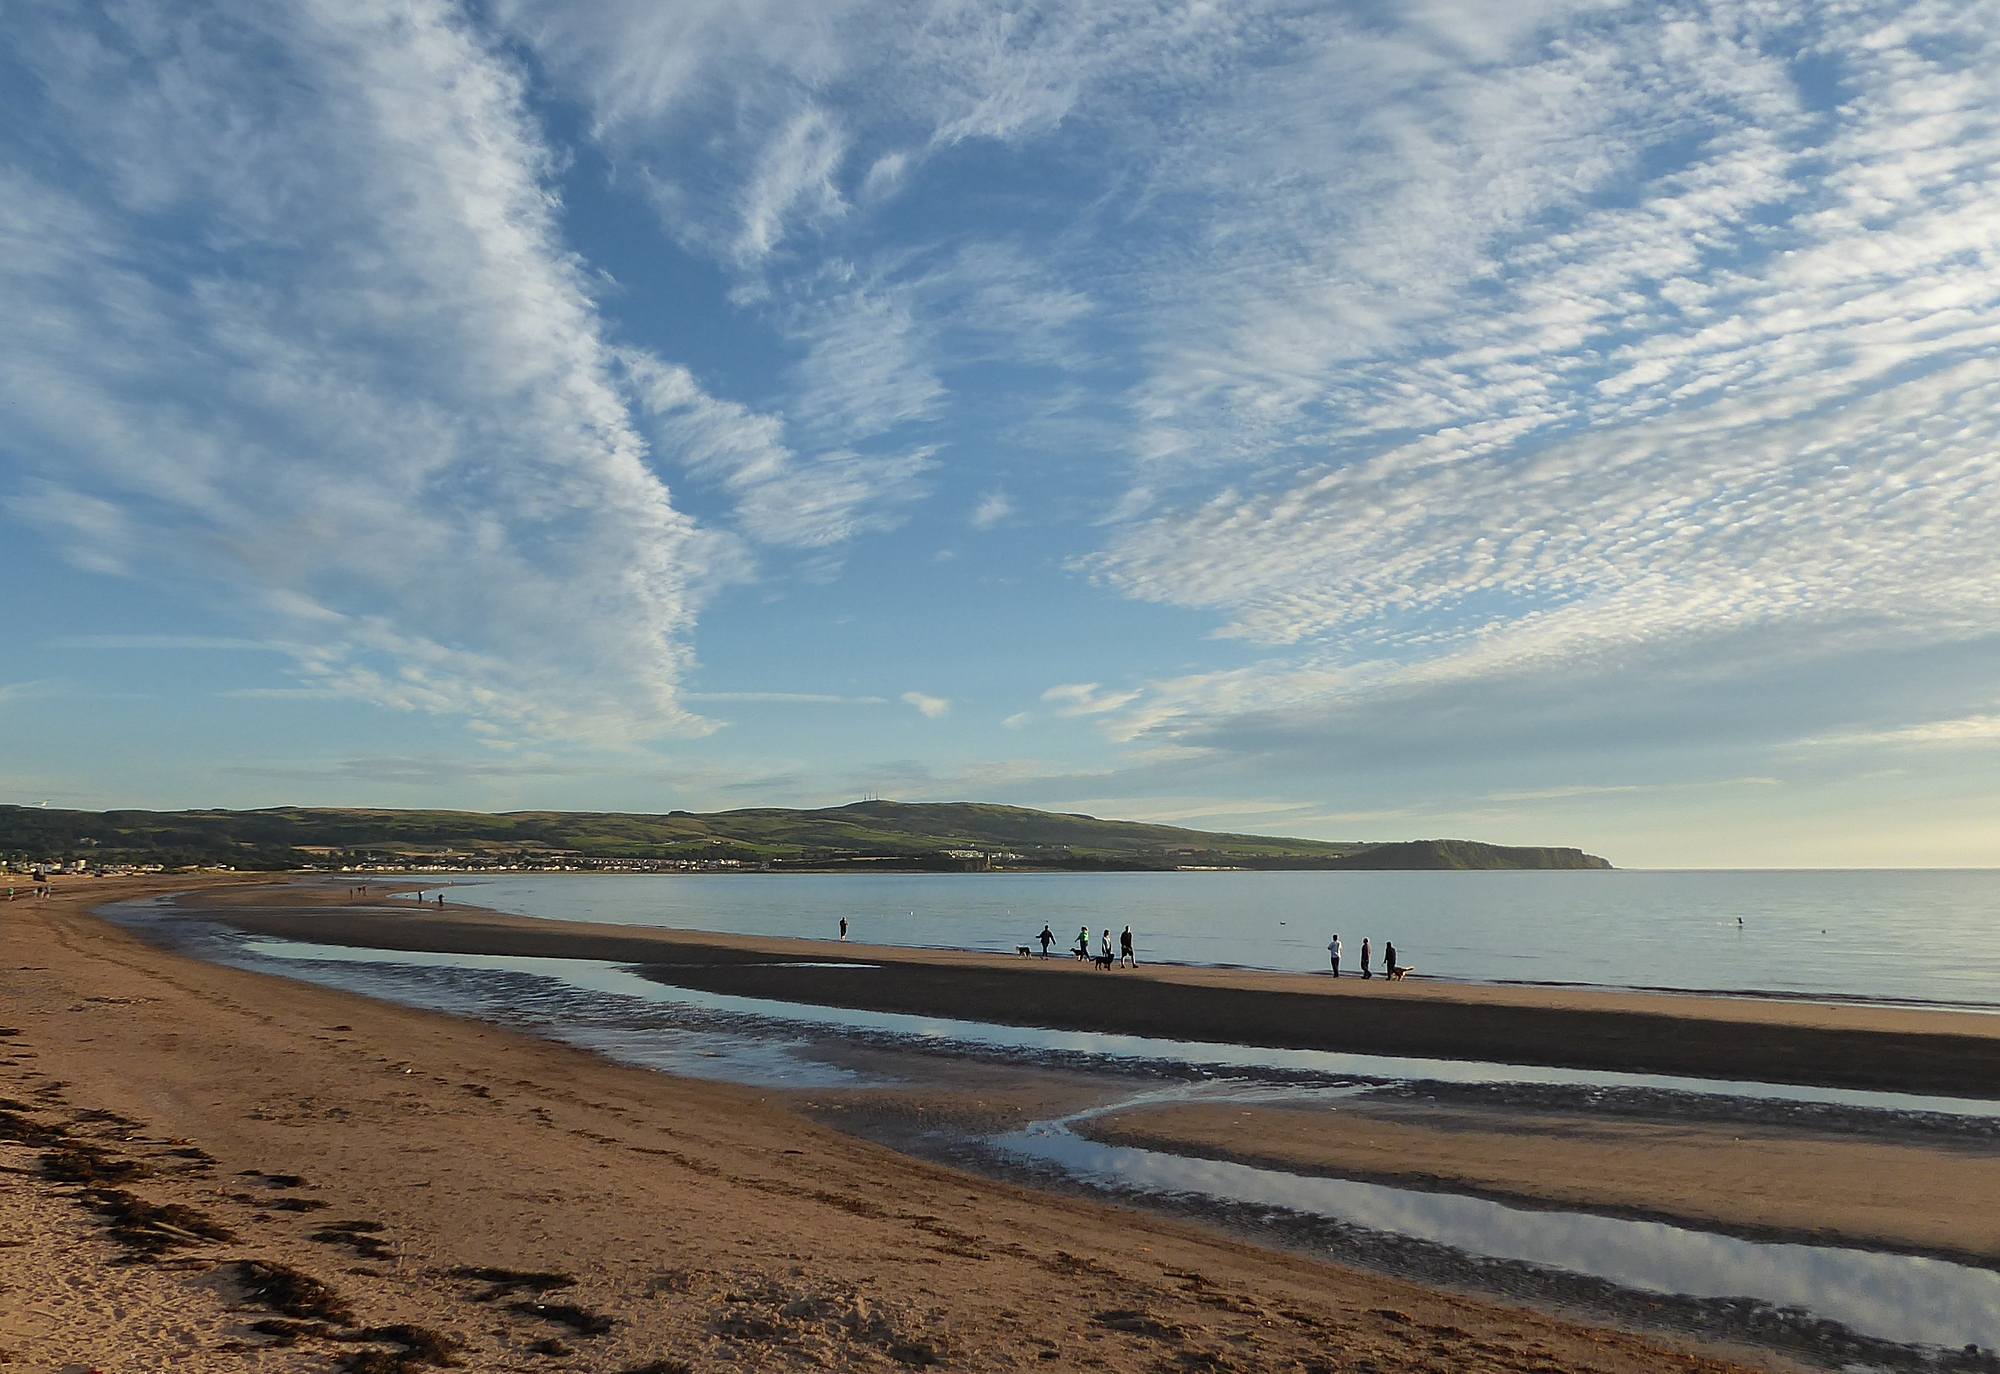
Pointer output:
x,y
578,1319
293,1292
507,1282
153,1228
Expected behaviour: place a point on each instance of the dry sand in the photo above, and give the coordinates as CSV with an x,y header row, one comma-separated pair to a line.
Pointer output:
x,y
339,1168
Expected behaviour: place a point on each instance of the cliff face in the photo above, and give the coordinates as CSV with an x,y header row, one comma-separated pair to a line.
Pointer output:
x,y
1466,854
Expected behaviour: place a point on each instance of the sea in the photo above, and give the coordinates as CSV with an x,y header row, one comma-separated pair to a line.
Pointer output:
x,y
1924,937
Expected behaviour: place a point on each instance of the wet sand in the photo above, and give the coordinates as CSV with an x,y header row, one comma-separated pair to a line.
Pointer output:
x,y
223,1170
1879,1048
1761,1183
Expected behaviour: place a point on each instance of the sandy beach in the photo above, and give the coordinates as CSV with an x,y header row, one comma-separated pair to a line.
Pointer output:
x,y
213,1169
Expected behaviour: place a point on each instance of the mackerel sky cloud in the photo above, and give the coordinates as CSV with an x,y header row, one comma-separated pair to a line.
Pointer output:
x,y
1351,419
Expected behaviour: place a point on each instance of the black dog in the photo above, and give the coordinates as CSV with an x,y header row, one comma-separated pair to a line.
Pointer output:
x,y
1101,960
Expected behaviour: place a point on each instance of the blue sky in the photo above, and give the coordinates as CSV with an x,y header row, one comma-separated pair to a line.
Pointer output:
x,y
1545,422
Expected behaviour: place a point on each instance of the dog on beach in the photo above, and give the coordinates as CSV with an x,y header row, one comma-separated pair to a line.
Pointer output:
x,y
1024,951
1101,960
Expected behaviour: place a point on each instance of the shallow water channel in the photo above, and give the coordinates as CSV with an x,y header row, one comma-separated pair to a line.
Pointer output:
x,y
1845,1305
1899,1298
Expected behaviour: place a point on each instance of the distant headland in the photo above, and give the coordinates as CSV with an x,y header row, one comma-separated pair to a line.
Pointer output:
x,y
861,836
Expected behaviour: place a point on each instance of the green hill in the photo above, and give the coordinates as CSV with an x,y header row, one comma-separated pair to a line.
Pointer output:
x,y
870,833
1467,854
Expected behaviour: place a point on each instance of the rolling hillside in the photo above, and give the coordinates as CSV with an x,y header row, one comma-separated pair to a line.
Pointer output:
x,y
877,833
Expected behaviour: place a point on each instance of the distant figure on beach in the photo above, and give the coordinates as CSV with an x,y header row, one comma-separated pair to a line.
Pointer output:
x,y
1389,958
1125,948
1047,937
440,899
1105,949
1083,942
1333,953
1364,958
843,927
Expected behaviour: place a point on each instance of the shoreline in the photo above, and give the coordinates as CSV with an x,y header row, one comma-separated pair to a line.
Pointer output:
x,y
430,1183
1925,1051
397,884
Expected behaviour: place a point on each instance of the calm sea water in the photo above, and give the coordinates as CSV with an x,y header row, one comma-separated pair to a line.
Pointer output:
x,y
1924,936
1909,935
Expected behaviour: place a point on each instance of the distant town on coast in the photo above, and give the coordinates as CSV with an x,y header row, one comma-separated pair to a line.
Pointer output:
x,y
862,836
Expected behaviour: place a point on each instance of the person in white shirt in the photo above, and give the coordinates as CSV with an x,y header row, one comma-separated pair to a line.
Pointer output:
x,y
1333,952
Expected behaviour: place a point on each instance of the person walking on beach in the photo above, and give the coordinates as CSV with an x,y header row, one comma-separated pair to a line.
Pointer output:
x,y
1105,949
1333,953
843,927
1389,959
1364,958
1047,937
1125,948
1083,942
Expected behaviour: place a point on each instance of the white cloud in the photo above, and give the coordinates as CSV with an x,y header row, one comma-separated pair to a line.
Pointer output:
x,y
171,643
809,503
1072,699
21,691
1574,791
877,340
711,439
930,707
279,694
788,698
93,534
1470,332
885,175
794,176
1017,720
748,124
868,366
993,507
1643,356
840,495
1976,731
360,384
